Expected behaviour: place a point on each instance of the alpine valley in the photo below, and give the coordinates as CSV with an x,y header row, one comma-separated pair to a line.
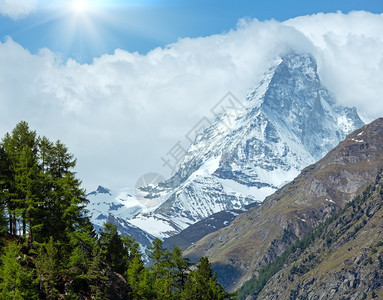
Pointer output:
x,y
258,144
275,193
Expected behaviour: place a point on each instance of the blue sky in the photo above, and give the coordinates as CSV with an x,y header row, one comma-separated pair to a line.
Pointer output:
x,y
120,111
144,25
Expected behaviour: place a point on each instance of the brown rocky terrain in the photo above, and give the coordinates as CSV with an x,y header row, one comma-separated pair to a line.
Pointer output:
x,y
343,261
258,236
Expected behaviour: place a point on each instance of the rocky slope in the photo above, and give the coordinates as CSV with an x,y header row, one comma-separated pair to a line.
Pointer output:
x,y
258,236
344,261
199,230
255,146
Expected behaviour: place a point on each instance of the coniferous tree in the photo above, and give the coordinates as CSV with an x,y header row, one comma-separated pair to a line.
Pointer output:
x,y
138,279
64,199
27,183
157,256
3,223
17,278
52,250
162,273
48,269
39,188
4,188
180,270
202,284
19,145
80,249
97,275
114,248
8,183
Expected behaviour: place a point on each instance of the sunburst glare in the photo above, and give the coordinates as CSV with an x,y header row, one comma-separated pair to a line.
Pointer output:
x,y
79,6
85,29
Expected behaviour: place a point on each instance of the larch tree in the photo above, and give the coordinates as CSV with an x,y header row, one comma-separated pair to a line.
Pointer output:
x,y
21,151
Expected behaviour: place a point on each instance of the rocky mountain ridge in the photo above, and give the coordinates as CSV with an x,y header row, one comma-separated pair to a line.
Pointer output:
x,y
199,230
258,236
342,258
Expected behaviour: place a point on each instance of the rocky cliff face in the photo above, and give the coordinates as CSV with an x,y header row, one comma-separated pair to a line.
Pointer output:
x,y
287,122
258,236
199,230
344,261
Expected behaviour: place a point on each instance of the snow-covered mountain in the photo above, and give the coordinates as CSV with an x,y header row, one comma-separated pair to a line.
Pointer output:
x,y
106,207
103,202
288,121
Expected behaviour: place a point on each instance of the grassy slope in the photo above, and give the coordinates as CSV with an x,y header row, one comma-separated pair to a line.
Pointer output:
x,y
345,261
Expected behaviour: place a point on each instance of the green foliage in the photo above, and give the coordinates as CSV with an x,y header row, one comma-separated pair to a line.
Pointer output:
x,y
3,222
115,249
18,280
158,256
38,187
48,268
138,279
203,284
160,270
4,182
20,149
81,245
173,277
45,208
180,268
51,250
97,275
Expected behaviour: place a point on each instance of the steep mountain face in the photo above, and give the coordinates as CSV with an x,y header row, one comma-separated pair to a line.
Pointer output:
x,y
344,261
125,228
255,146
106,207
199,230
258,236
103,202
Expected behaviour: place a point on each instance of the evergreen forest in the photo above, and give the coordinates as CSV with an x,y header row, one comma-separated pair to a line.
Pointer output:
x,y
50,250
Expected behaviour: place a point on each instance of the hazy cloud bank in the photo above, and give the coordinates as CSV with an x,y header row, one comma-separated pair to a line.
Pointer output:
x,y
124,111
17,9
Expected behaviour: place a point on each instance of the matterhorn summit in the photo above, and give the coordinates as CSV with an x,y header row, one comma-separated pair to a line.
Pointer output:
x,y
288,121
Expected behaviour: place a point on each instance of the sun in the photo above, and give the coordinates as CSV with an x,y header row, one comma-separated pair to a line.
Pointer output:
x,y
79,6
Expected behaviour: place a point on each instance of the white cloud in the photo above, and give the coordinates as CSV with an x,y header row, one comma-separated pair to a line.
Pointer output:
x,y
122,112
17,9
350,55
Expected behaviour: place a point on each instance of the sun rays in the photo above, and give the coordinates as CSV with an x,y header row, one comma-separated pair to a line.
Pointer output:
x,y
79,6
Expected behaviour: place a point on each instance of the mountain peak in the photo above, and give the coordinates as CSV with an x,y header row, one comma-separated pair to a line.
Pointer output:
x,y
296,99
288,122
302,63
289,72
102,190
295,82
